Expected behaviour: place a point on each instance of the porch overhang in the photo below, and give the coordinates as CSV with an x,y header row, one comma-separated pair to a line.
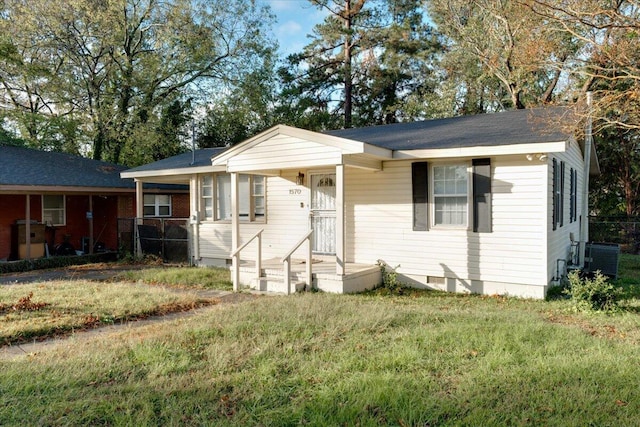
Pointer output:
x,y
170,176
351,160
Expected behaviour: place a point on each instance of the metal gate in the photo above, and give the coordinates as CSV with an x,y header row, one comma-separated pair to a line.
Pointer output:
x,y
167,238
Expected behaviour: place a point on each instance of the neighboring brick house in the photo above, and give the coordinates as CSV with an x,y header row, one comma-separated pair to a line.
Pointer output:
x,y
60,196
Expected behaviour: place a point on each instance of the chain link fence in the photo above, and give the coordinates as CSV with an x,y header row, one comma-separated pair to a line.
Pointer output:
x,y
167,238
623,231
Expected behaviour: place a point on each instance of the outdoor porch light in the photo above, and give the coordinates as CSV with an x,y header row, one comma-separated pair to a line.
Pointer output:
x,y
300,178
539,156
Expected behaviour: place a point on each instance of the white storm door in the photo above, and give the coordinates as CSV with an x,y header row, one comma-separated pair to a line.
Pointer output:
x,y
323,213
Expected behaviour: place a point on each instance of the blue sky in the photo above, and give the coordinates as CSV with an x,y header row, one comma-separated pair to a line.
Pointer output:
x,y
295,19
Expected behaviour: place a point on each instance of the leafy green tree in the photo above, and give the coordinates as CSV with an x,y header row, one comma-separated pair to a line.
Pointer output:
x,y
249,107
502,42
368,62
29,84
116,67
398,73
608,66
616,192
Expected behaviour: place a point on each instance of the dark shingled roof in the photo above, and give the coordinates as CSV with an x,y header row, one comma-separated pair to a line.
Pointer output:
x,y
202,158
24,166
506,128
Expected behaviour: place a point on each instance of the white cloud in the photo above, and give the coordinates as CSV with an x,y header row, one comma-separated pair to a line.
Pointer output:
x,y
289,28
282,5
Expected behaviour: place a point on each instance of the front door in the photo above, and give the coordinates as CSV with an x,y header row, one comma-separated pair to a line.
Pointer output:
x,y
323,213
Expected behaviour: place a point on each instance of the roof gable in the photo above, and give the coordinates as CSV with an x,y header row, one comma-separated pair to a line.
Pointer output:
x,y
342,145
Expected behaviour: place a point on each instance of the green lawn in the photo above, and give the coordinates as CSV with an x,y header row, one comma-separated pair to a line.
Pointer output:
x,y
40,310
426,358
193,277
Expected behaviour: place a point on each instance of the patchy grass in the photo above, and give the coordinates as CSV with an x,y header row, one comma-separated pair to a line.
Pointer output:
x,y
629,275
422,358
39,310
425,359
192,277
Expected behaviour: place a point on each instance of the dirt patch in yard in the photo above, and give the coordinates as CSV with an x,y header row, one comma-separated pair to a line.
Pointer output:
x,y
98,271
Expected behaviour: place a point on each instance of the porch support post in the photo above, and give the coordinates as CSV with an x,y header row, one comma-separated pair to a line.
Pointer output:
x,y
235,231
27,227
139,215
90,224
340,223
194,191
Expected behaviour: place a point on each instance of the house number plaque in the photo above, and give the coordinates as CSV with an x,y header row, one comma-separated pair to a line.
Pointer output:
x,y
295,191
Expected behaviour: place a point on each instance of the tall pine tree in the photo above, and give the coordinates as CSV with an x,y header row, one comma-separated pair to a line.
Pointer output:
x,y
367,63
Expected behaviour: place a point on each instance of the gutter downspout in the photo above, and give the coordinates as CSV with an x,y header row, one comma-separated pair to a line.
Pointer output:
x,y
588,142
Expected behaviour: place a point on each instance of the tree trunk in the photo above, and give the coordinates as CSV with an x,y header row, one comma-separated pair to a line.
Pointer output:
x,y
348,81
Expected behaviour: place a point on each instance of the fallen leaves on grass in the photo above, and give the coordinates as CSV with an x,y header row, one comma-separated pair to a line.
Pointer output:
x,y
93,321
23,304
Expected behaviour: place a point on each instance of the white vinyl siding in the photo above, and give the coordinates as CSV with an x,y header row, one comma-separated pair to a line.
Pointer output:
x,y
379,226
559,240
283,152
288,220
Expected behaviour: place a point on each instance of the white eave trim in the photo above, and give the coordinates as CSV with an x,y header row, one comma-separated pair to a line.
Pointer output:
x,y
491,150
171,172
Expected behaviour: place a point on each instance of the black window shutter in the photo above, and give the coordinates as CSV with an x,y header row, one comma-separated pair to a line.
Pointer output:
x,y
575,195
420,187
561,194
572,195
482,195
555,194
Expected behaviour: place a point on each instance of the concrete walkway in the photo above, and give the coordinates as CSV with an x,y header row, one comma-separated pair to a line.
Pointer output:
x,y
75,272
15,351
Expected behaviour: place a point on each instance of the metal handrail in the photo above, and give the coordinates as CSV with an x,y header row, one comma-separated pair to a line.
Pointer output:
x,y
286,260
235,255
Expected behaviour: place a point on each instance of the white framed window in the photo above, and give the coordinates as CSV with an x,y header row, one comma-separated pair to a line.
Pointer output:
x,y
54,210
223,197
157,205
257,197
450,195
215,197
206,196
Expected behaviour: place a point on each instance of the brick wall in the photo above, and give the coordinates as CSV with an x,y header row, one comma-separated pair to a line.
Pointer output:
x,y
180,206
106,211
13,208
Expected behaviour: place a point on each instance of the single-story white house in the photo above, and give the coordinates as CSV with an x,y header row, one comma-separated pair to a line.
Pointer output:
x,y
491,204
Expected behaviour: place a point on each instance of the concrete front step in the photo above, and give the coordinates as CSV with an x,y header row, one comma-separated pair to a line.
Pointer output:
x,y
361,278
271,284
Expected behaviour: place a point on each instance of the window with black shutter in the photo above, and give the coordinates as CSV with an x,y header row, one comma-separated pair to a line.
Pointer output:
x,y
420,189
482,195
